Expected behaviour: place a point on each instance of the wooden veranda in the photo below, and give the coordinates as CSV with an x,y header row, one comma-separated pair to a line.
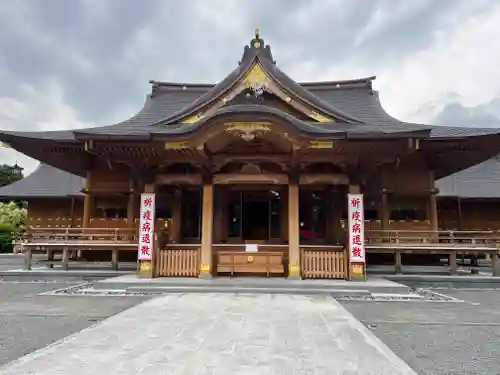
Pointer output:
x,y
316,261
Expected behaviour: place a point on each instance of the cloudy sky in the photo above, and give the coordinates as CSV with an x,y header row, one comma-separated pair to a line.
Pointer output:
x,y
80,63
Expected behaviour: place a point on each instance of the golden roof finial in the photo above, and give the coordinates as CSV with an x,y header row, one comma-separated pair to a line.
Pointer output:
x,y
257,33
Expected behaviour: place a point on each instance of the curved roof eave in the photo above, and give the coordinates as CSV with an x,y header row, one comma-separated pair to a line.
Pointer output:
x,y
318,130
254,109
57,135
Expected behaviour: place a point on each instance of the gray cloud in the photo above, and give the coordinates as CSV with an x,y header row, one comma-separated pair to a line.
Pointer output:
x,y
87,62
483,115
103,52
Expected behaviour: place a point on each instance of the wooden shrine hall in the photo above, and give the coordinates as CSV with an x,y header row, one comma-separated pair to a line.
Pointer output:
x,y
251,176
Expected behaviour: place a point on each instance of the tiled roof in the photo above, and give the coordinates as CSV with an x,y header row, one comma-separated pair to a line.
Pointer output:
x,y
337,129
480,181
362,103
44,182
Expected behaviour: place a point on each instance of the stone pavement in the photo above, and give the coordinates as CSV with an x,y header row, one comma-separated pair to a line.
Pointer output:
x,y
220,334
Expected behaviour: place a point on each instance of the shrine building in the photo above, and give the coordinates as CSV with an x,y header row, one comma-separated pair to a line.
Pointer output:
x,y
252,174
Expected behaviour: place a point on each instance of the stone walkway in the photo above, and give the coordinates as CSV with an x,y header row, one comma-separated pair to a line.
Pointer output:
x,y
220,334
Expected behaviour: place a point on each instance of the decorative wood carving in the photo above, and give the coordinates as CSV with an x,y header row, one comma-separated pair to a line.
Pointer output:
x,y
176,145
242,148
246,127
193,119
256,76
179,179
251,168
320,144
257,80
242,178
324,179
320,118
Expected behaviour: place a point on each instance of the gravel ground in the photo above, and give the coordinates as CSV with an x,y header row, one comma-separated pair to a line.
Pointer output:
x,y
10,262
440,338
433,338
29,322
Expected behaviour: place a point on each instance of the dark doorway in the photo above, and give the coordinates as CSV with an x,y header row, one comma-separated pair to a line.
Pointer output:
x,y
255,220
255,215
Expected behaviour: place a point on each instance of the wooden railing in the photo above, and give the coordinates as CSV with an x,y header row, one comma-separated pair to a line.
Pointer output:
x,y
54,222
79,236
447,243
95,222
398,224
179,260
428,238
323,262
66,240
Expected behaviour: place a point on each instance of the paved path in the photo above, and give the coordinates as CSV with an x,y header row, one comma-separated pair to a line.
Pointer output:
x,y
220,334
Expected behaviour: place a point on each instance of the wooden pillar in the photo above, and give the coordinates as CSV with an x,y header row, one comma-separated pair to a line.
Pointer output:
x,y
385,211
146,267
131,205
459,209
433,211
354,189
495,258
284,214
74,254
432,206
293,230
452,261
207,230
175,233
72,213
398,262
88,201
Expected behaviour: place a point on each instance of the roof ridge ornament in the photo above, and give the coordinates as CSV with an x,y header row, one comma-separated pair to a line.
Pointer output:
x,y
257,47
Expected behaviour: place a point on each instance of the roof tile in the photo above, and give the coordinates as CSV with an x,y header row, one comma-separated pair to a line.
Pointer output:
x,y
45,182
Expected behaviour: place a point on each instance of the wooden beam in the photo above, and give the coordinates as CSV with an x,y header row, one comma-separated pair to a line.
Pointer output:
x,y
178,179
323,179
201,158
242,178
220,160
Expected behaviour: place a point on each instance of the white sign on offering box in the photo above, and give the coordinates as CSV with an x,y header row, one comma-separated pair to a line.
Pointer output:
x,y
356,230
146,227
251,248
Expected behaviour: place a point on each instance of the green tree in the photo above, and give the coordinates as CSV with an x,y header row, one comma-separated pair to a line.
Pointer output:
x,y
12,222
10,174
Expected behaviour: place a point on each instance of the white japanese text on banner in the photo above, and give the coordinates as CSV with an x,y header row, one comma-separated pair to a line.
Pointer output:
x,y
356,230
146,227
